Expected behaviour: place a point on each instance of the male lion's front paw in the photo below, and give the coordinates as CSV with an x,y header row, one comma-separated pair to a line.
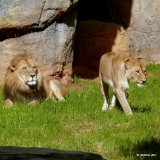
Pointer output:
x,y
33,103
8,103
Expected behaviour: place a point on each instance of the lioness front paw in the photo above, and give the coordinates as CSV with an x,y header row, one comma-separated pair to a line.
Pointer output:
x,y
111,107
105,107
129,112
61,98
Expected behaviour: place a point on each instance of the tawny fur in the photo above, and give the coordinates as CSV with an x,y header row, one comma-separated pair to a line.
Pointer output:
x,y
24,80
116,70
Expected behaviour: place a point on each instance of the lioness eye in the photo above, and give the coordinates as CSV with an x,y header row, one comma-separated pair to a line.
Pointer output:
x,y
34,68
138,71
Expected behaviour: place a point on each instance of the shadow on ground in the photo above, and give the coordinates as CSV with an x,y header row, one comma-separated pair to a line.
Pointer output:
x,y
146,150
141,109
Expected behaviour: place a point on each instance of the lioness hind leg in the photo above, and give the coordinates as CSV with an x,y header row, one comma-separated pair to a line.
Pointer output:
x,y
104,90
56,90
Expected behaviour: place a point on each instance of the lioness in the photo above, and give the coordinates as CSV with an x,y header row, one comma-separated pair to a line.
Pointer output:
x,y
24,80
116,70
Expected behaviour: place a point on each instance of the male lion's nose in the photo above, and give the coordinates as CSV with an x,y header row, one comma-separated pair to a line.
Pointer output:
x,y
32,75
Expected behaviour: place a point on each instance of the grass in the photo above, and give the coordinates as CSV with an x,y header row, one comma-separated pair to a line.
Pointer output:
x,y
79,124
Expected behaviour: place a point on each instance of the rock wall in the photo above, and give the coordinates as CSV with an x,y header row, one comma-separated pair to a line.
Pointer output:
x,y
140,20
142,24
46,29
94,38
42,28
144,29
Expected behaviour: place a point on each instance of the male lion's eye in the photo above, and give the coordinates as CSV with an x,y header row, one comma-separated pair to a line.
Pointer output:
x,y
24,68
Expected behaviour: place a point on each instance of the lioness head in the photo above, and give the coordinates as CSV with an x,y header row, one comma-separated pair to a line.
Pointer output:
x,y
136,70
25,69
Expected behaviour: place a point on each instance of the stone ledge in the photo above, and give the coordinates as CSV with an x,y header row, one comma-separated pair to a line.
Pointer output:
x,y
14,153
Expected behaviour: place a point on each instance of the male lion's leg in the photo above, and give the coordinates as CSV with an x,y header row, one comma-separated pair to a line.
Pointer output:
x,y
8,103
113,102
104,90
56,91
33,103
123,101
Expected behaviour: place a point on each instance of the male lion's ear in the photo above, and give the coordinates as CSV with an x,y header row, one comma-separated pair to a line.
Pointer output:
x,y
13,67
128,63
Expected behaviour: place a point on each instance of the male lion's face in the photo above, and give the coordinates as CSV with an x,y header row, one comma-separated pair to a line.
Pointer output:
x,y
136,70
28,72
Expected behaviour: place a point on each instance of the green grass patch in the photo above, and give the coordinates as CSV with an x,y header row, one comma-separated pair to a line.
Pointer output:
x,y
79,124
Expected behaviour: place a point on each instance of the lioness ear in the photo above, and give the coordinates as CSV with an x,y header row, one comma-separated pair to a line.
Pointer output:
x,y
128,63
142,61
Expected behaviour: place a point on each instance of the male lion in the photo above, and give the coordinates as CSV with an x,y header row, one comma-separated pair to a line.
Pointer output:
x,y
116,71
24,80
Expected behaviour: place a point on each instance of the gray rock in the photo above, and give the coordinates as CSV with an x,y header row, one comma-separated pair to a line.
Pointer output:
x,y
139,18
38,28
94,38
31,14
16,13
144,29
14,153
53,9
53,47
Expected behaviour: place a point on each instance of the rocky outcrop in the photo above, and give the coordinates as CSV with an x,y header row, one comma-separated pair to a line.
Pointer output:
x,y
140,19
94,38
13,153
42,28
29,15
142,24
144,29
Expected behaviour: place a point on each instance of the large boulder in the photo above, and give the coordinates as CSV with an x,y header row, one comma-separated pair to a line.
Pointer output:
x,y
142,24
140,19
29,14
144,29
42,28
